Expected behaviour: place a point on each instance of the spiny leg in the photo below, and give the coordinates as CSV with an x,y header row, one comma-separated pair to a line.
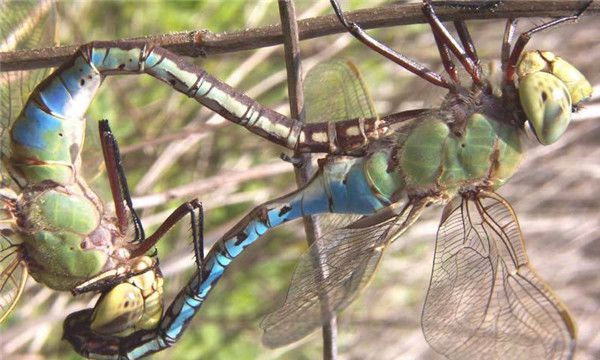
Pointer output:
x,y
177,214
118,181
198,235
526,36
467,42
444,39
509,33
140,245
446,58
409,64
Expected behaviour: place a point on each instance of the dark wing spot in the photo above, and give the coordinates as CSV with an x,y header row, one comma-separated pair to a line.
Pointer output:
x,y
544,96
121,66
82,82
126,304
463,145
60,134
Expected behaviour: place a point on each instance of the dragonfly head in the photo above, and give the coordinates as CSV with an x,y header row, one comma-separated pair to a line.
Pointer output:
x,y
132,305
549,89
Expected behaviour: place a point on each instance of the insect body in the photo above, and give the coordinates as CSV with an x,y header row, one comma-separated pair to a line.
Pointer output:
x,y
55,227
484,299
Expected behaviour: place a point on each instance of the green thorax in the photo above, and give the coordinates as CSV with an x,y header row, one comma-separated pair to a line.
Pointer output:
x,y
442,153
65,238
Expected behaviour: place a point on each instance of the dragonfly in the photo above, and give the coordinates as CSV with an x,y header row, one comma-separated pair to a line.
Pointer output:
x,y
387,171
55,228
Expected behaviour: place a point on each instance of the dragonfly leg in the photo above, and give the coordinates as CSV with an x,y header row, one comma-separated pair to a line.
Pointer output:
x,y
467,42
121,195
526,36
182,210
118,182
445,42
409,64
509,33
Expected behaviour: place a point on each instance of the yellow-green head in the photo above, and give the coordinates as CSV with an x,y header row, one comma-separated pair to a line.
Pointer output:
x,y
132,305
549,87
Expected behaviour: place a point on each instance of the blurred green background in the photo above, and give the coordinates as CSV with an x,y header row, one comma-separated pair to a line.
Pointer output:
x,y
175,150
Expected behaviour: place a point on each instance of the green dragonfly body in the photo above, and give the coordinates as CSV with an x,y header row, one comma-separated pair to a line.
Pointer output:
x,y
483,289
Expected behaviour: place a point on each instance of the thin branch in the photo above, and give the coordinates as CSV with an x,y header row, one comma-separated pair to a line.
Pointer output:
x,y
204,42
305,171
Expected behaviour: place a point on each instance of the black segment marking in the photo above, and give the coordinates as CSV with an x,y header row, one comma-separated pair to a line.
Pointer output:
x,y
284,210
207,91
158,62
106,51
240,238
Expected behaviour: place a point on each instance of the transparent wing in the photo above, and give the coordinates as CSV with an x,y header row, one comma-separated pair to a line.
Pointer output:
x,y
333,272
23,25
485,301
13,275
335,91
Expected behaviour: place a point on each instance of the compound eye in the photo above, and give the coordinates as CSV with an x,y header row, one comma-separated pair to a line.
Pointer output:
x,y
118,310
547,104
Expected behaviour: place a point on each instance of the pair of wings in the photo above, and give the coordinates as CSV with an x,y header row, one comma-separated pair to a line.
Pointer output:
x,y
484,300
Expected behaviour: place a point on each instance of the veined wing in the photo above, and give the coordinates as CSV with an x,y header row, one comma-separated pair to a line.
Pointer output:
x,y
333,272
485,301
335,91
13,275
23,25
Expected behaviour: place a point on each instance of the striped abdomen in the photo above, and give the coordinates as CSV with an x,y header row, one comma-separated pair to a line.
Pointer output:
x,y
48,134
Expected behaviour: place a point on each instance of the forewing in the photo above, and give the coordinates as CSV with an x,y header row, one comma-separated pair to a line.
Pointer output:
x,y
485,301
334,91
333,272
13,275
351,101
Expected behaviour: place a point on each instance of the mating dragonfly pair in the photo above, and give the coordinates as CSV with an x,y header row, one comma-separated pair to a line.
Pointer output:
x,y
484,300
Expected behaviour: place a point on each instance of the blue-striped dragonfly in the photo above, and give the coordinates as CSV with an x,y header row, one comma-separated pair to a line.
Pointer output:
x,y
317,134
